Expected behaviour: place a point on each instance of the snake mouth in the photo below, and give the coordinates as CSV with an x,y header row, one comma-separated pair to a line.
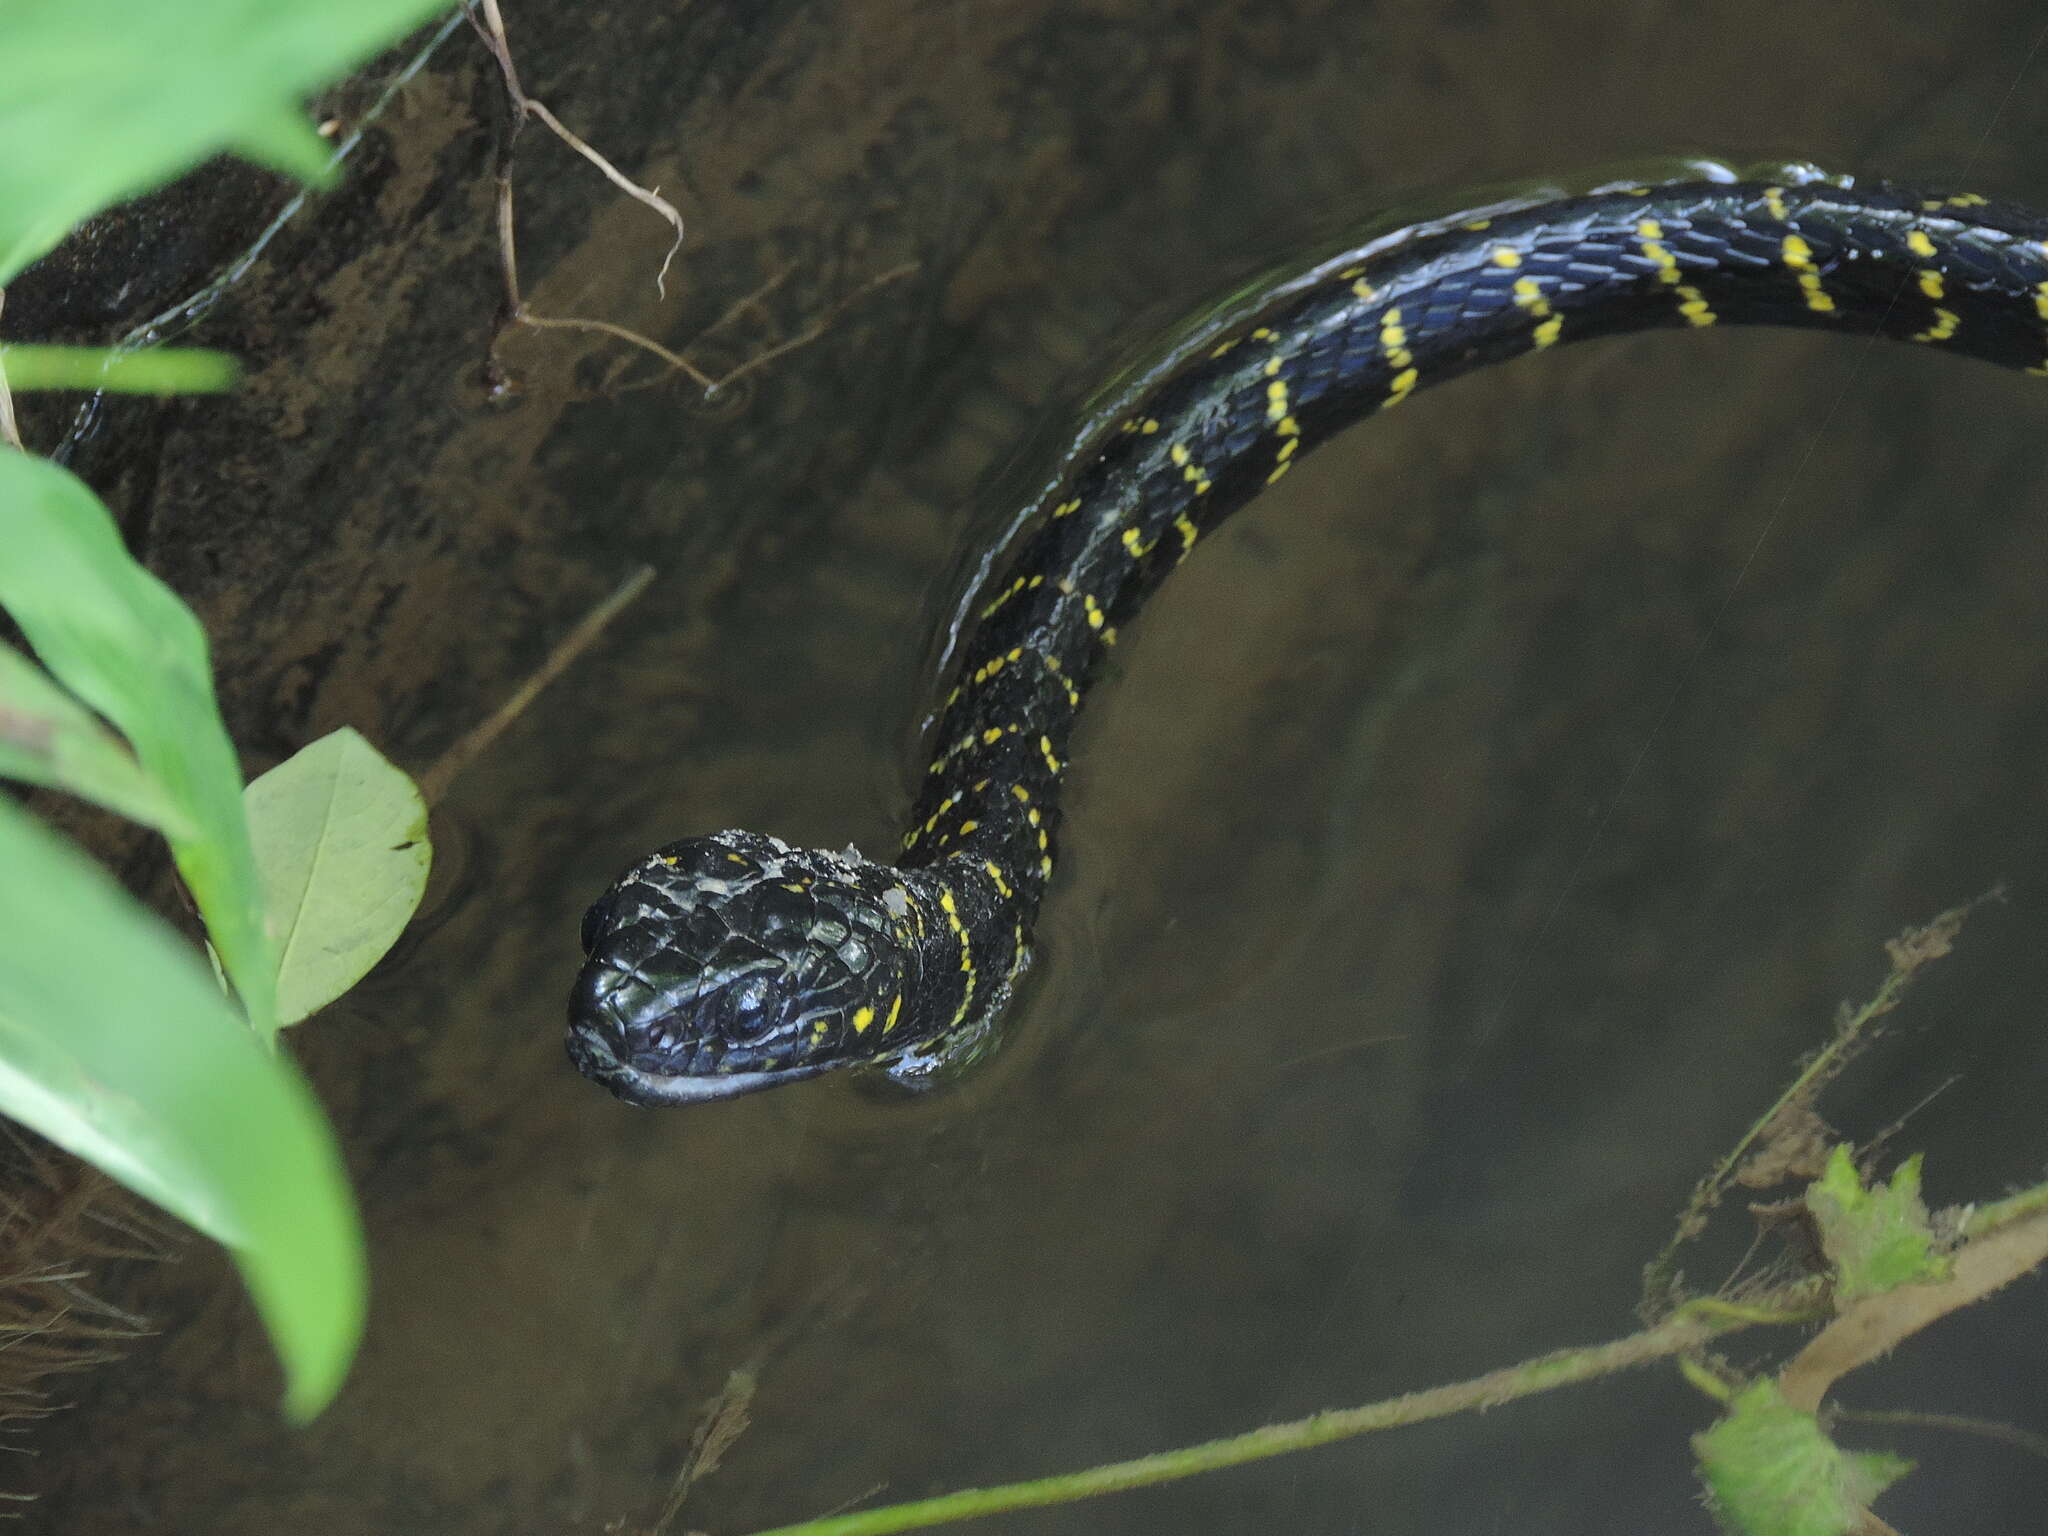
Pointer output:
x,y
595,1059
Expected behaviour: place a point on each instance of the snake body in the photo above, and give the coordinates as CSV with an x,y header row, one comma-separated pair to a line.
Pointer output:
x,y
732,962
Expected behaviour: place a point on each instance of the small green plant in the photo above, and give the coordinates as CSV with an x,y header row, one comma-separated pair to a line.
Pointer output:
x,y
1886,1269
117,1041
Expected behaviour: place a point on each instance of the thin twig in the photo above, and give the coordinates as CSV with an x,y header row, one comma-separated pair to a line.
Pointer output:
x,y
435,781
492,29
746,303
817,327
649,196
489,22
1958,1423
681,364
508,253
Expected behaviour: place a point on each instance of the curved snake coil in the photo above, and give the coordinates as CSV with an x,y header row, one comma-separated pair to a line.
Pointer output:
x,y
723,964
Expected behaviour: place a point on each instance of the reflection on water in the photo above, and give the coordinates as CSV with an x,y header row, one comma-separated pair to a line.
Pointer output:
x,y
1473,838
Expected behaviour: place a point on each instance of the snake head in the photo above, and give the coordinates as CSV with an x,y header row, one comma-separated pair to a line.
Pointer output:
x,y
724,964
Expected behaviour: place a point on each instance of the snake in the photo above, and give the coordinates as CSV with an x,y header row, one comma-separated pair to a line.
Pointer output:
x,y
732,962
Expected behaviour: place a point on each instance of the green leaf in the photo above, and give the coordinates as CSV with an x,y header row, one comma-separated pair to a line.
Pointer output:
x,y
280,137
1877,1239
102,99
124,643
115,1043
341,839
49,738
155,371
1770,1470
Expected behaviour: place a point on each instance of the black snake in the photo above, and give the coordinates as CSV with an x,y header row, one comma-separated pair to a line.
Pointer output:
x,y
732,962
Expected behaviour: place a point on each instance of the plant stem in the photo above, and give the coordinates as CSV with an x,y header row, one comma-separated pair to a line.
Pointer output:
x,y
1999,1213
1908,952
1684,1331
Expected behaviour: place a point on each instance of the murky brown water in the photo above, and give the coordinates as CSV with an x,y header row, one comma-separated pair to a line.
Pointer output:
x,y
1474,837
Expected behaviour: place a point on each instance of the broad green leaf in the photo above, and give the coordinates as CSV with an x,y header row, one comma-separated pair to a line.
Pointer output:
x,y
115,1043
102,99
1770,1470
124,643
154,371
49,738
279,136
1877,1239
341,840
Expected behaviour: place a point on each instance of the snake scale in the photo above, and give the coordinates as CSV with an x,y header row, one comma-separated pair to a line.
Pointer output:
x,y
732,962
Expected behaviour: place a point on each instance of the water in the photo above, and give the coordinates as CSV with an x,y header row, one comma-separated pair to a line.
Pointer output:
x,y
1473,839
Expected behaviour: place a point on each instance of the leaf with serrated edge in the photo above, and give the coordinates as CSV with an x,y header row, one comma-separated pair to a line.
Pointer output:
x,y
1771,1470
1878,1238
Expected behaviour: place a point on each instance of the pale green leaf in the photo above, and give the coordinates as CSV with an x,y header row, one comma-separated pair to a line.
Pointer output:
x,y
115,1043
1877,1238
1771,1470
277,135
49,738
341,840
124,643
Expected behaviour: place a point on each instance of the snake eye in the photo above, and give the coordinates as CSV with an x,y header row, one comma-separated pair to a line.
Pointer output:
x,y
595,921
749,1018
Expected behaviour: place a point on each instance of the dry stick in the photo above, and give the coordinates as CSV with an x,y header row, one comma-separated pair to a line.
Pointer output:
x,y
815,329
435,781
508,248
521,315
738,307
493,30
675,360
803,338
650,196
485,17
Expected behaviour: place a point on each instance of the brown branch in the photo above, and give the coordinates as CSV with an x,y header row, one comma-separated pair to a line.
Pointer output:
x,y
1874,1326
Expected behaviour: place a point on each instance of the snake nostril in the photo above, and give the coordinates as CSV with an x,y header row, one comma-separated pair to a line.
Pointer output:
x,y
594,1002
